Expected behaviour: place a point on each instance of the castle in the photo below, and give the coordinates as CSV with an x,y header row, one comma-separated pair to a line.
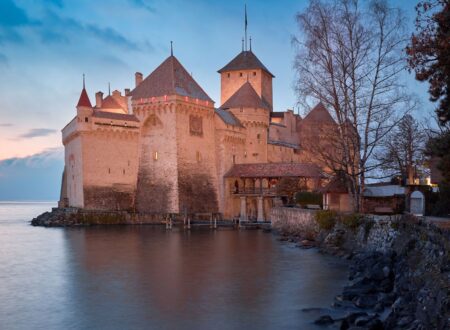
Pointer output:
x,y
164,147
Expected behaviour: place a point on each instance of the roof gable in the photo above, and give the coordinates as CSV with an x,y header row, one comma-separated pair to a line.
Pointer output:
x,y
84,99
319,114
245,60
167,79
247,97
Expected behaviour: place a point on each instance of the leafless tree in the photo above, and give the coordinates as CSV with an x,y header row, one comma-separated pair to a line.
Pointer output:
x,y
350,57
403,154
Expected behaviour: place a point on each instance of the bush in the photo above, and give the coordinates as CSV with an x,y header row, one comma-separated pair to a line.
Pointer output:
x,y
306,197
326,219
351,220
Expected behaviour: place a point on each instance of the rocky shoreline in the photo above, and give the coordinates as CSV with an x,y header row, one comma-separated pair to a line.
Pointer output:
x,y
398,278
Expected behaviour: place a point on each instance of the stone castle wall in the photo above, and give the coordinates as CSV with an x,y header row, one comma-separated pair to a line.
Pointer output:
x,y
197,174
157,178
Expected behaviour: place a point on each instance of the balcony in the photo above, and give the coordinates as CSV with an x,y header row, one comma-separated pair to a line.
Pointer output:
x,y
257,191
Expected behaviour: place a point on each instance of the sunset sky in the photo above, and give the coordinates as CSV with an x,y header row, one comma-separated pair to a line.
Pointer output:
x,y
46,46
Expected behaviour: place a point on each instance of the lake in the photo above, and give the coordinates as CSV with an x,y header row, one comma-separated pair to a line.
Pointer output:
x,y
144,277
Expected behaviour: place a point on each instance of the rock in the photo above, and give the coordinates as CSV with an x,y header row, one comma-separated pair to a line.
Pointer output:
x,y
378,308
374,324
353,316
366,301
324,320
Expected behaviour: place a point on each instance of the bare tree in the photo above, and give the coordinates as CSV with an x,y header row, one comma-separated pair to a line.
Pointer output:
x,y
403,154
350,58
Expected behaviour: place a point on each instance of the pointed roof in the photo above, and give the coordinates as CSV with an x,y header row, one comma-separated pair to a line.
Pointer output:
x,y
245,60
84,99
247,97
167,79
115,101
319,114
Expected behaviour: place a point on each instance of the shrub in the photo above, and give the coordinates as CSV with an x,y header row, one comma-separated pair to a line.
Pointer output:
x,y
351,220
306,197
368,224
326,219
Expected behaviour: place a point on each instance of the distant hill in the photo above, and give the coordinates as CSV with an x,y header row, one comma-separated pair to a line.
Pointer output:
x,y
36,177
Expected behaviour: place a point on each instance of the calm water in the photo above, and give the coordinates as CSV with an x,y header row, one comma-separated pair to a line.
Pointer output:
x,y
147,278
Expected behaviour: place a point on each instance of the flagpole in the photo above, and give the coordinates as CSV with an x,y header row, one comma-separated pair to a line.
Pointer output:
x,y
245,26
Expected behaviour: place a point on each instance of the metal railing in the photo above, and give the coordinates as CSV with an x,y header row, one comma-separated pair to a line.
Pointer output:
x,y
254,191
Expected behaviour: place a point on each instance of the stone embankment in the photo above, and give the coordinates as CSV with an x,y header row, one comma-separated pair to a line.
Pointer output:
x,y
67,217
399,269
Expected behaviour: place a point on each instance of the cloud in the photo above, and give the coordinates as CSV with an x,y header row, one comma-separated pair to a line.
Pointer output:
x,y
36,177
6,125
12,15
56,28
3,59
143,4
37,132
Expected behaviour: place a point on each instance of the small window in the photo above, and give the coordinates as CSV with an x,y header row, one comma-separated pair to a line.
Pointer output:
x,y
240,74
109,170
155,155
234,159
254,73
86,119
199,157
123,171
258,136
228,75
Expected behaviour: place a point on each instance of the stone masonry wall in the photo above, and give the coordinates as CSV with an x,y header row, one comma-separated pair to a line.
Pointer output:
x,y
294,220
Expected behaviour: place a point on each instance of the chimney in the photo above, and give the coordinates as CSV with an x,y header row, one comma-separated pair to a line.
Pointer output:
x,y
116,93
127,91
98,99
138,78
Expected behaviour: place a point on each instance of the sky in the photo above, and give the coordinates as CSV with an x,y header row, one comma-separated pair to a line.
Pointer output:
x,y
47,45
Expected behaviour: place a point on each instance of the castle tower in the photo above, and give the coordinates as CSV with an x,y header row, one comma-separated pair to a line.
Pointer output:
x,y
246,67
177,153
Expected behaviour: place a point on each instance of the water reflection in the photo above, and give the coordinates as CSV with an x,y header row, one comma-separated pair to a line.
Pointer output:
x,y
125,276
149,278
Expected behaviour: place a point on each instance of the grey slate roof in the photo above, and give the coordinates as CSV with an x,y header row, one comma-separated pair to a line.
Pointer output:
x,y
228,118
284,144
167,79
114,116
245,60
247,97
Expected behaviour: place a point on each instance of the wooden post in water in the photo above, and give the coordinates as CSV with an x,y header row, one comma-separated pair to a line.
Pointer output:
x,y
215,222
211,221
189,222
167,222
170,221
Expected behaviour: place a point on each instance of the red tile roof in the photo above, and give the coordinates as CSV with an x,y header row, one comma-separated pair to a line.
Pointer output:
x,y
168,79
274,170
114,102
319,114
84,99
245,60
246,97
337,185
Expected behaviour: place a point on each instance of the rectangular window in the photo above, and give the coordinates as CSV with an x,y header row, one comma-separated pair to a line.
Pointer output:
x,y
86,119
155,155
